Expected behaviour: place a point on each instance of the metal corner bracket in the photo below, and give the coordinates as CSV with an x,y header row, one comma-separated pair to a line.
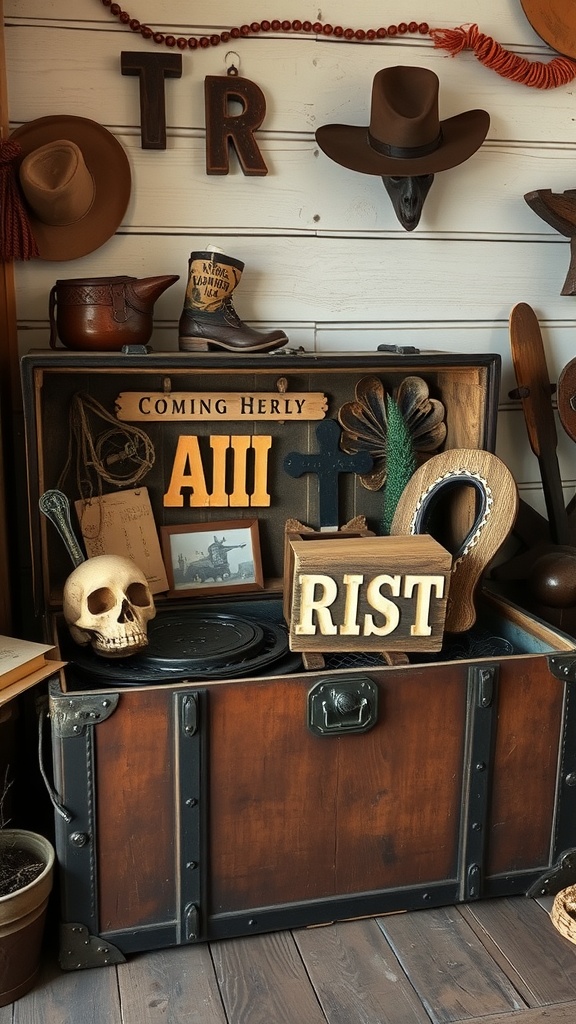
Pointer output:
x,y
563,666
559,876
70,714
80,949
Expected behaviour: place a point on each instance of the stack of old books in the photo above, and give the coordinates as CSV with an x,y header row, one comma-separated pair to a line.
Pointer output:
x,y
24,663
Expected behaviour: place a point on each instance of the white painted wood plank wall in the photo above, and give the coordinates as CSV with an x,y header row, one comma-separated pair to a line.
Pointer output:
x,y
325,257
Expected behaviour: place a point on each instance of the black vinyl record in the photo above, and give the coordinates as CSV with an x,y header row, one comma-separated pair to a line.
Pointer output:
x,y
193,644
197,640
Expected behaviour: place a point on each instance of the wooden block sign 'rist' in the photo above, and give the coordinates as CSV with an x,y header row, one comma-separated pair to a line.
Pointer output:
x,y
368,593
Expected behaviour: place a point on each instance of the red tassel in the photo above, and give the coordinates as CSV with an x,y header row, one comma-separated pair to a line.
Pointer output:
x,y
559,71
452,39
16,239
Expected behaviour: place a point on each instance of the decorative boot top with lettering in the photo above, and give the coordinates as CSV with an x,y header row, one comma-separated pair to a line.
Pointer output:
x,y
209,320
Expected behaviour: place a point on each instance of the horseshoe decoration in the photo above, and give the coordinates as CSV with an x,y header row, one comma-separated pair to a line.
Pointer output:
x,y
450,477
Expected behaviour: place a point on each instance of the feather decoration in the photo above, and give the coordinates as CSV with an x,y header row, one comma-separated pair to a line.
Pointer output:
x,y
400,461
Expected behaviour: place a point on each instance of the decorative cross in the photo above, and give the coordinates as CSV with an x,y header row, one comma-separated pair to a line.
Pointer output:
x,y
327,463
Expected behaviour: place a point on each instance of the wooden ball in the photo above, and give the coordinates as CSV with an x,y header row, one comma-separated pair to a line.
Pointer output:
x,y
553,579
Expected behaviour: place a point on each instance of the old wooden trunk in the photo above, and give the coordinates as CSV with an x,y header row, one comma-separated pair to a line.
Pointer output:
x,y
220,803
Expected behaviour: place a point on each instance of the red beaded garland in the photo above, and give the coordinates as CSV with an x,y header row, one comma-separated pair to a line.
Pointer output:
x,y
193,42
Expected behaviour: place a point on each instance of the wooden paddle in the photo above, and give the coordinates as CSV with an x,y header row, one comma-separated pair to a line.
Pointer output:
x,y
534,389
566,397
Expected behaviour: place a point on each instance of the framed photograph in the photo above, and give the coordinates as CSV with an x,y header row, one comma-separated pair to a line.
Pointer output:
x,y
215,558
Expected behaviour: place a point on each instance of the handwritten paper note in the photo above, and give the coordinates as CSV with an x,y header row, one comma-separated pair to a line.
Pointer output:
x,y
123,524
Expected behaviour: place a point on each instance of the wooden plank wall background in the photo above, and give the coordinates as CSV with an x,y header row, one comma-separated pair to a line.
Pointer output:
x,y
325,257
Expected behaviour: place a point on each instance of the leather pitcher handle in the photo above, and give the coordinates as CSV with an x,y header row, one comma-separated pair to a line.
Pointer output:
x,y
120,310
51,308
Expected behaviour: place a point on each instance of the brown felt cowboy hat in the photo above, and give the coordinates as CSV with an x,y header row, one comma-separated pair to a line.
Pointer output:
x,y
75,179
405,136
555,23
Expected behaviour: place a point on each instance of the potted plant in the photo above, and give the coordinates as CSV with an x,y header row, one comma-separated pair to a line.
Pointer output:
x,y
26,876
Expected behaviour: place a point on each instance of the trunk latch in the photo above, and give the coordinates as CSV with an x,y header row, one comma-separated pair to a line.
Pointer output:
x,y
342,706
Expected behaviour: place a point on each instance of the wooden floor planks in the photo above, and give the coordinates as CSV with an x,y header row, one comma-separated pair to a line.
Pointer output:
x,y
491,962
83,997
451,970
519,932
176,985
357,976
263,980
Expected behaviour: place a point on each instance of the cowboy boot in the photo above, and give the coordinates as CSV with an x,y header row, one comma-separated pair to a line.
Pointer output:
x,y
209,319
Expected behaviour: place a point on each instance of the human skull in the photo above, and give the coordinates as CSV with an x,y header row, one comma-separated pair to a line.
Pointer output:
x,y
107,603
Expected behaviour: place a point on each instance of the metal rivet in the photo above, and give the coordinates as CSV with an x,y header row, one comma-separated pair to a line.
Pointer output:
x,y
78,838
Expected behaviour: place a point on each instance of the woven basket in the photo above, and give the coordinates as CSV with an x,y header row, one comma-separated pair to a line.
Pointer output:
x,y
563,913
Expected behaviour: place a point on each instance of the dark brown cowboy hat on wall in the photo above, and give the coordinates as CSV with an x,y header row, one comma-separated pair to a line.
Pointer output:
x,y
75,179
405,137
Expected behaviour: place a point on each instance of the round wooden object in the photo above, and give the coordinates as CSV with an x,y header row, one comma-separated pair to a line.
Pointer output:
x,y
483,525
566,398
555,23
563,913
552,578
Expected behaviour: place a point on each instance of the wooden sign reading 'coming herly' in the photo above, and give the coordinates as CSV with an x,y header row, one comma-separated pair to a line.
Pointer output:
x,y
249,405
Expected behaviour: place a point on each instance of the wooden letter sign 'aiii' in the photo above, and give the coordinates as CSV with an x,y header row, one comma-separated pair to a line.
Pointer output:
x,y
368,594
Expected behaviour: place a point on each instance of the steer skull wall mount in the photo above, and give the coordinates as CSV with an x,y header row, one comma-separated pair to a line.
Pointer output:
x,y
107,603
405,143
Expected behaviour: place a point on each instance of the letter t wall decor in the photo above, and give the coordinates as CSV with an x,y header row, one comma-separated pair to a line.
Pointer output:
x,y
223,127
